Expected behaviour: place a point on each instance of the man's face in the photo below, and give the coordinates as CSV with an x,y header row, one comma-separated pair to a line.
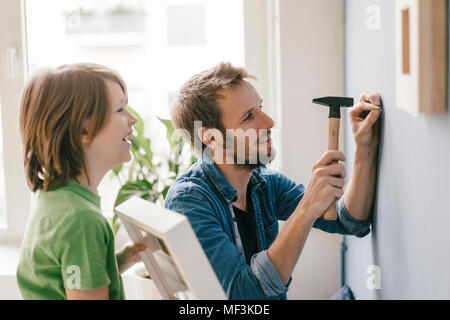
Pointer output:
x,y
248,143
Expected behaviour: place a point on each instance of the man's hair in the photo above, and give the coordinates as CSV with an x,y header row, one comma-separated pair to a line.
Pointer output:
x,y
54,107
198,100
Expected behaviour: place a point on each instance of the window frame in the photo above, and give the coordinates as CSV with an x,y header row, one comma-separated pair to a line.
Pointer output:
x,y
18,196
262,58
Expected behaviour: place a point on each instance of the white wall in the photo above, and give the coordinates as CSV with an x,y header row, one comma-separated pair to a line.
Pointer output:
x,y
410,241
9,255
311,66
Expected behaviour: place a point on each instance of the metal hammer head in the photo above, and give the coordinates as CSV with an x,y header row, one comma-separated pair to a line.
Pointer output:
x,y
335,104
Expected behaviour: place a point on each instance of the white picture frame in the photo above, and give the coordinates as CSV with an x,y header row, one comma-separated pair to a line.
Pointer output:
x,y
174,257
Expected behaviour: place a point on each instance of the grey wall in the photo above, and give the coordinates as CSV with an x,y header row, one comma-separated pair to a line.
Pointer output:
x,y
410,241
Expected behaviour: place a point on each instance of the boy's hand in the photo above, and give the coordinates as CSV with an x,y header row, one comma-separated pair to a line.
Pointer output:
x,y
128,256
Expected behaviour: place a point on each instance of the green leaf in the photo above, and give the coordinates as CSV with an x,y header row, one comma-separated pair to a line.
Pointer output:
x,y
168,124
130,189
164,192
115,227
139,125
115,223
117,169
171,134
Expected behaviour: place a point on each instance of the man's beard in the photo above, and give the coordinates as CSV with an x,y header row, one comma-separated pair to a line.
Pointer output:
x,y
249,163
242,158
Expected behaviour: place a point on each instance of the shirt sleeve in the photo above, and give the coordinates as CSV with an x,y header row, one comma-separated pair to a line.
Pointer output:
x,y
289,195
352,225
268,275
239,280
83,252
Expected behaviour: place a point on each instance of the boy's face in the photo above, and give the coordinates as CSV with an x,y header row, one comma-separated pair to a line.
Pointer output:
x,y
247,125
110,146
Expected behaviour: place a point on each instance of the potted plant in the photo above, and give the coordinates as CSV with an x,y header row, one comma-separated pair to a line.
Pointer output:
x,y
149,178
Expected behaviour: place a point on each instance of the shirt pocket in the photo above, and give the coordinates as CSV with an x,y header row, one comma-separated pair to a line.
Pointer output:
x,y
271,233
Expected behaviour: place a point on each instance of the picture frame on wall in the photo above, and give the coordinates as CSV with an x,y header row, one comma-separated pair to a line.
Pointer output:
x,y
421,55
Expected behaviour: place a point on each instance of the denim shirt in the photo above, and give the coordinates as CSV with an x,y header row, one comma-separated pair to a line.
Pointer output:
x,y
205,197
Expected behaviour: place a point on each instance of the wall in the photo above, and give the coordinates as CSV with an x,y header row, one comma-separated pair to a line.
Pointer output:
x,y
311,66
410,241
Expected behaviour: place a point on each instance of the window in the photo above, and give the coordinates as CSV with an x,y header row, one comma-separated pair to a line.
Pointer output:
x,y
155,45
2,181
186,25
16,198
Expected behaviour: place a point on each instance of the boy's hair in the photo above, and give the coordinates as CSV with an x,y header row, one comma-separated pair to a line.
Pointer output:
x,y
54,107
197,100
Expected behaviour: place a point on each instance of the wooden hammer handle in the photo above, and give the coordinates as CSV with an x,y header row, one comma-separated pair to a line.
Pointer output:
x,y
333,144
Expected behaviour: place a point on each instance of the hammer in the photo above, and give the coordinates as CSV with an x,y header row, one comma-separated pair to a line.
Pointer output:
x,y
335,104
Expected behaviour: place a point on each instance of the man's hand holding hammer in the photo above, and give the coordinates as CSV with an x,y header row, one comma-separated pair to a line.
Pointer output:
x,y
327,180
326,185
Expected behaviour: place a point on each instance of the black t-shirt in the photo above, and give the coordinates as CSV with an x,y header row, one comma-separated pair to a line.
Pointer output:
x,y
247,229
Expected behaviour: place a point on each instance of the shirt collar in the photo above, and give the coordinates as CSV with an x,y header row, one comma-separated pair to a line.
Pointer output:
x,y
221,183
83,192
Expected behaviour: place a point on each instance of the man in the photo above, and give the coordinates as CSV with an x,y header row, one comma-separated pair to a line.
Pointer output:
x,y
234,202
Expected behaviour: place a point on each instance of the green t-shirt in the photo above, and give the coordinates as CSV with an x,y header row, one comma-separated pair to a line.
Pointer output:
x,y
69,244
